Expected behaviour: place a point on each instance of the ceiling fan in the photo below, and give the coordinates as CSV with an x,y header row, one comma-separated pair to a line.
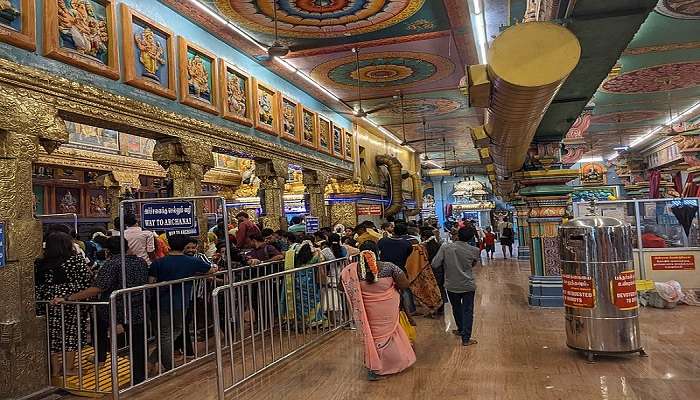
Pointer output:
x,y
277,49
360,112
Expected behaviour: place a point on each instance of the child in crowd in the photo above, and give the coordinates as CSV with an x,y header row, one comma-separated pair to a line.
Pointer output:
x,y
489,243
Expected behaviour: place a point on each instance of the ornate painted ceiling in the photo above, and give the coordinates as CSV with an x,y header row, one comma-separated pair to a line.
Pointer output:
x,y
658,77
417,48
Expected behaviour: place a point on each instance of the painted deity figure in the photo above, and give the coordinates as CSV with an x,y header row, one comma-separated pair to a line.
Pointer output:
x,y
98,205
236,95
265,113
289,121
68,204
248,176
79,24
152,53
198,77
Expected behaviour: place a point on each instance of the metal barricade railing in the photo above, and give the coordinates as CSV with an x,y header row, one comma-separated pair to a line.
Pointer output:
x,y
76,339
289,311
168,325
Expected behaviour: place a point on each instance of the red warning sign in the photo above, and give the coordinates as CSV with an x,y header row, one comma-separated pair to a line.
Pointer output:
x,y
579,291
623,290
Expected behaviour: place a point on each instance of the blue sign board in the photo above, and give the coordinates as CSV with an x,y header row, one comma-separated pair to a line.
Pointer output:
x,y
312,224
179,216
3,246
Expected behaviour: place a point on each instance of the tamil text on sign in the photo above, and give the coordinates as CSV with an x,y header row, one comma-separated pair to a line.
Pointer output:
x,y
673,262
623,290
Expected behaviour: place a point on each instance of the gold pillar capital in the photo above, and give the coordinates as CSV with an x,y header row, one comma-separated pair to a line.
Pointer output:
x,y
177,151
275,167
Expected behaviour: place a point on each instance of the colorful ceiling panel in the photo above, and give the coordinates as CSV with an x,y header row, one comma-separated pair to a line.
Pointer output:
x,y
659,77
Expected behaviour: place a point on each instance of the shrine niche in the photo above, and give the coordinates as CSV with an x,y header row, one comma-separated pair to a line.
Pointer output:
x,y
236,96
17,23
290,128
349,147
337,141
82,33
148,53
266,108
198,74
324,135
309,128
593,174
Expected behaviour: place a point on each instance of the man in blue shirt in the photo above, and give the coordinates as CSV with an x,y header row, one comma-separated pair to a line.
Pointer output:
x,y
176,265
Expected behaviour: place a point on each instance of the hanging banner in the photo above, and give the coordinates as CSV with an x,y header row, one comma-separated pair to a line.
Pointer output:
x,y
623,290
579,291
673,262
176,217
312,224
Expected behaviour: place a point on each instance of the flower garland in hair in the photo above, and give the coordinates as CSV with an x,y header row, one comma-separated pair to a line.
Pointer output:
x,y
300,245
368,259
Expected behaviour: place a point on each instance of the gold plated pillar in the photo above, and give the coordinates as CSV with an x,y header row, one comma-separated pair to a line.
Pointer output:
x,y
273,175
315,183
26,124
115,184
186,162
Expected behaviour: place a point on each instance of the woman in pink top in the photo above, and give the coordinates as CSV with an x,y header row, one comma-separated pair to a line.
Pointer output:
x,y
370,287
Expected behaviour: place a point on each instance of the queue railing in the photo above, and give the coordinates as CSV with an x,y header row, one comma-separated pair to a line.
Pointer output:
x,y
262,321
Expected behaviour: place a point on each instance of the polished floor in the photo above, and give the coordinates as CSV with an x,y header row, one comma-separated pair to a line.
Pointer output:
x,y
521,354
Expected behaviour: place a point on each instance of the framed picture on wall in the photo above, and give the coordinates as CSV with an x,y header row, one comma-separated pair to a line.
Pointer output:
x,y
198,77
17,19
324,135
82,33
148,51
236,94
266,108
309,127
98,205
338,141
349,147
290,128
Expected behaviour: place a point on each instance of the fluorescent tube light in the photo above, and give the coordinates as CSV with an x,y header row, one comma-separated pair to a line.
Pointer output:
x,y
591,159
476,7
613,156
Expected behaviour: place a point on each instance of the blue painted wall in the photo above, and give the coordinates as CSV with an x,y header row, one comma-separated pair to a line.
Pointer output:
x,y
180,26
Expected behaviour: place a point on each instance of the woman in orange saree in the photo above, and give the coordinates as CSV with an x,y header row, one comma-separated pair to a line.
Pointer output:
x,y
371,289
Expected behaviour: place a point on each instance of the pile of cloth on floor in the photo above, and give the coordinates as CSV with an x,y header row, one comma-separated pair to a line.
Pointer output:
x,y
668,295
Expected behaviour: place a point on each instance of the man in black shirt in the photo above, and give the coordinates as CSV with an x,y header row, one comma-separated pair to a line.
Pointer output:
x,y
396,250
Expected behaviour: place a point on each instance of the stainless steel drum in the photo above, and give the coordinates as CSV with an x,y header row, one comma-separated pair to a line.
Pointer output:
x,y
599,287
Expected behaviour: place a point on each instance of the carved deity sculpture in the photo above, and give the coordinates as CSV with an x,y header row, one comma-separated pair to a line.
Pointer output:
x,y
289,120
151,53
265,104
7,11
236,95
198,78
308,127
79,24
68,204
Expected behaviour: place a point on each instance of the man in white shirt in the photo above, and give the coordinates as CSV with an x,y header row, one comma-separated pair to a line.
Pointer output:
x,y
141,243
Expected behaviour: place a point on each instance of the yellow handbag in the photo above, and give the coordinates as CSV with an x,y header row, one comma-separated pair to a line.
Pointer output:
x,y
407,327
